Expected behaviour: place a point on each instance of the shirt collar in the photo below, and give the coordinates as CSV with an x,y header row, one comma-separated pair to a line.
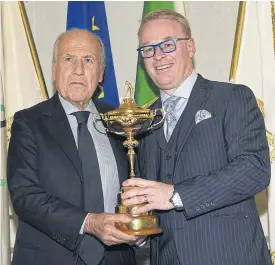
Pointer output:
x,y
185,88
70,108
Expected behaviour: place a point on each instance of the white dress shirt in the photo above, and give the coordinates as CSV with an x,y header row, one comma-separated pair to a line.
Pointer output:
x,y
106,159
183,91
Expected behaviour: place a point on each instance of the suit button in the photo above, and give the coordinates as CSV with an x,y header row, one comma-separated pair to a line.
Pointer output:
x,y
168,157
212,203
207,204
169,175
202,206
198,209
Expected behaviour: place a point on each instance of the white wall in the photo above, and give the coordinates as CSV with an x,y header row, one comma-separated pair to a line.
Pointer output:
x,y
213,28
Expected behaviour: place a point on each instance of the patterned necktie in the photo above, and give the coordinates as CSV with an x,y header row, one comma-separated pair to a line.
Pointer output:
x,y
171,118
90,250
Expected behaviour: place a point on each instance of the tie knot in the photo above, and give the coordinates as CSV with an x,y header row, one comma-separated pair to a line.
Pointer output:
x,y
170,103
81,116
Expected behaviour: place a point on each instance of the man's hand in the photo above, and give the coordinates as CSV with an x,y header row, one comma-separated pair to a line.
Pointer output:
x,y
155,194
103,226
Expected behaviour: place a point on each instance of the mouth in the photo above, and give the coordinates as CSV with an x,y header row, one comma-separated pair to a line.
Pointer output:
x,y
75,83
163,68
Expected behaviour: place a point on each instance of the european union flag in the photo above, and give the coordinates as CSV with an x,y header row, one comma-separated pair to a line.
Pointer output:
x,y
91,15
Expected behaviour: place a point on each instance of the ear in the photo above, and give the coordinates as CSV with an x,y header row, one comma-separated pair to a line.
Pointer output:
x,y
191,46
54,71
101,74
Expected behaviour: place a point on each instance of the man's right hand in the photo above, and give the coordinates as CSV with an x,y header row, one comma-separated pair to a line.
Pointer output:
x,y
103,226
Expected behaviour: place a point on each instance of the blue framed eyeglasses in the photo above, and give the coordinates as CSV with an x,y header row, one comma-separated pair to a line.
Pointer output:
x,y
165,46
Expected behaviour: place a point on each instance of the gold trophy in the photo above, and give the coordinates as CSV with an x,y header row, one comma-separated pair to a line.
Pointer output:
x,y
129,120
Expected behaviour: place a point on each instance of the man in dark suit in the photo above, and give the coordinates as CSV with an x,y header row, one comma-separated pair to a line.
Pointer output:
x,y
203,167
63,182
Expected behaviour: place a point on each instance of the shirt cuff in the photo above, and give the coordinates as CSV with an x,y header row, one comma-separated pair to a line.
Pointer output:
x,y
81,232
180,205
178,199
141,244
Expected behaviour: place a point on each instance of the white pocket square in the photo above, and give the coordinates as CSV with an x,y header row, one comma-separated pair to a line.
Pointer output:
x,y
202,115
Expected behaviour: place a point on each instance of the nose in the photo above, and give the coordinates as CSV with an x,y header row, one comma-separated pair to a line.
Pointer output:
x,y
79,68
158,54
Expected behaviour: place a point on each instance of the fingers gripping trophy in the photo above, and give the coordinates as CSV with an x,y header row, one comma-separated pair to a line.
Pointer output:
x,y
129,120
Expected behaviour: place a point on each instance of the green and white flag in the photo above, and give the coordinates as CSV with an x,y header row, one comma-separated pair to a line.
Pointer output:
x,y
5,254
145,89
4,201
22,87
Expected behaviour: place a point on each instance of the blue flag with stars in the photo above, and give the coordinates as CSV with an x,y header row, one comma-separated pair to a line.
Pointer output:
x,y
91,15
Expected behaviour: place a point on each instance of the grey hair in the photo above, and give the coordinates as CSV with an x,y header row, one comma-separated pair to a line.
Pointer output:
x,y
164,13
56,46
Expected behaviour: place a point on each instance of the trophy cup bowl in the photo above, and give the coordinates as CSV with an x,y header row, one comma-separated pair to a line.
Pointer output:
x,y
129,120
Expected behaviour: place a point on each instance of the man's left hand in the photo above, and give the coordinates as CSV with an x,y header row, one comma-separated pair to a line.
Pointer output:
x,y
155,194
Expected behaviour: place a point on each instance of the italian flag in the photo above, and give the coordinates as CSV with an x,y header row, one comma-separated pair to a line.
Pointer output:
x,y
146,91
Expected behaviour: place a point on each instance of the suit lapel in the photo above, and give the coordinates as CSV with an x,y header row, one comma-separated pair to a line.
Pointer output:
x,y
159,132
198,97
58,126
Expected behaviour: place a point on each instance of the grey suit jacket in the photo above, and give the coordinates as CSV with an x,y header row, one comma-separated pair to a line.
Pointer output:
x,y
217,166
45,184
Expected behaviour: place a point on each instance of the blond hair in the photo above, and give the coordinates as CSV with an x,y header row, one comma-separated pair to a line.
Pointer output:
x,y
164,13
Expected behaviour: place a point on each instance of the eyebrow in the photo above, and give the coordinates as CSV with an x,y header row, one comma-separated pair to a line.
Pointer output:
x,y
166,38
86,56
89,56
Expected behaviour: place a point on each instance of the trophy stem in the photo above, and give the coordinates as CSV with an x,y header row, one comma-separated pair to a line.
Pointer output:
x,y
130,143
131,155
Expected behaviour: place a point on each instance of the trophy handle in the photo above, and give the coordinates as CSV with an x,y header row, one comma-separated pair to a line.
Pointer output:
x,y
95,117
102,117
161,121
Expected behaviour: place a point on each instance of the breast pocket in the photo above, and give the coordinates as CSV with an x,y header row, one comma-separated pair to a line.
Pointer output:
x,y
206,133
206,123
205,148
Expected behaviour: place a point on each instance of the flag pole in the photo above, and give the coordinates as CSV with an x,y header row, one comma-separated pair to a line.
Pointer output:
x,y
237,41
271,138
33,51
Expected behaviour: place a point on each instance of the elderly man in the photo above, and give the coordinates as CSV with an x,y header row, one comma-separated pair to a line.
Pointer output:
x,y
206,163
61,187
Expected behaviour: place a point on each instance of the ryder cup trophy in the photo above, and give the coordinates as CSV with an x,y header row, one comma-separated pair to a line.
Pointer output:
x,y
129,120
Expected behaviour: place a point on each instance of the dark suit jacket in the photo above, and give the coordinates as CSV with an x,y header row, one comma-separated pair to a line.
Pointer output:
x,y
217,166
44,180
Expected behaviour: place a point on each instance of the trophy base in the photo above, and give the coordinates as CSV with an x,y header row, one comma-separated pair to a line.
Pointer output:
x,y
142,224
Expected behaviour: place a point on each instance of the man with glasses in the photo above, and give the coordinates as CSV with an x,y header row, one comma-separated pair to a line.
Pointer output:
x,y
202,169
